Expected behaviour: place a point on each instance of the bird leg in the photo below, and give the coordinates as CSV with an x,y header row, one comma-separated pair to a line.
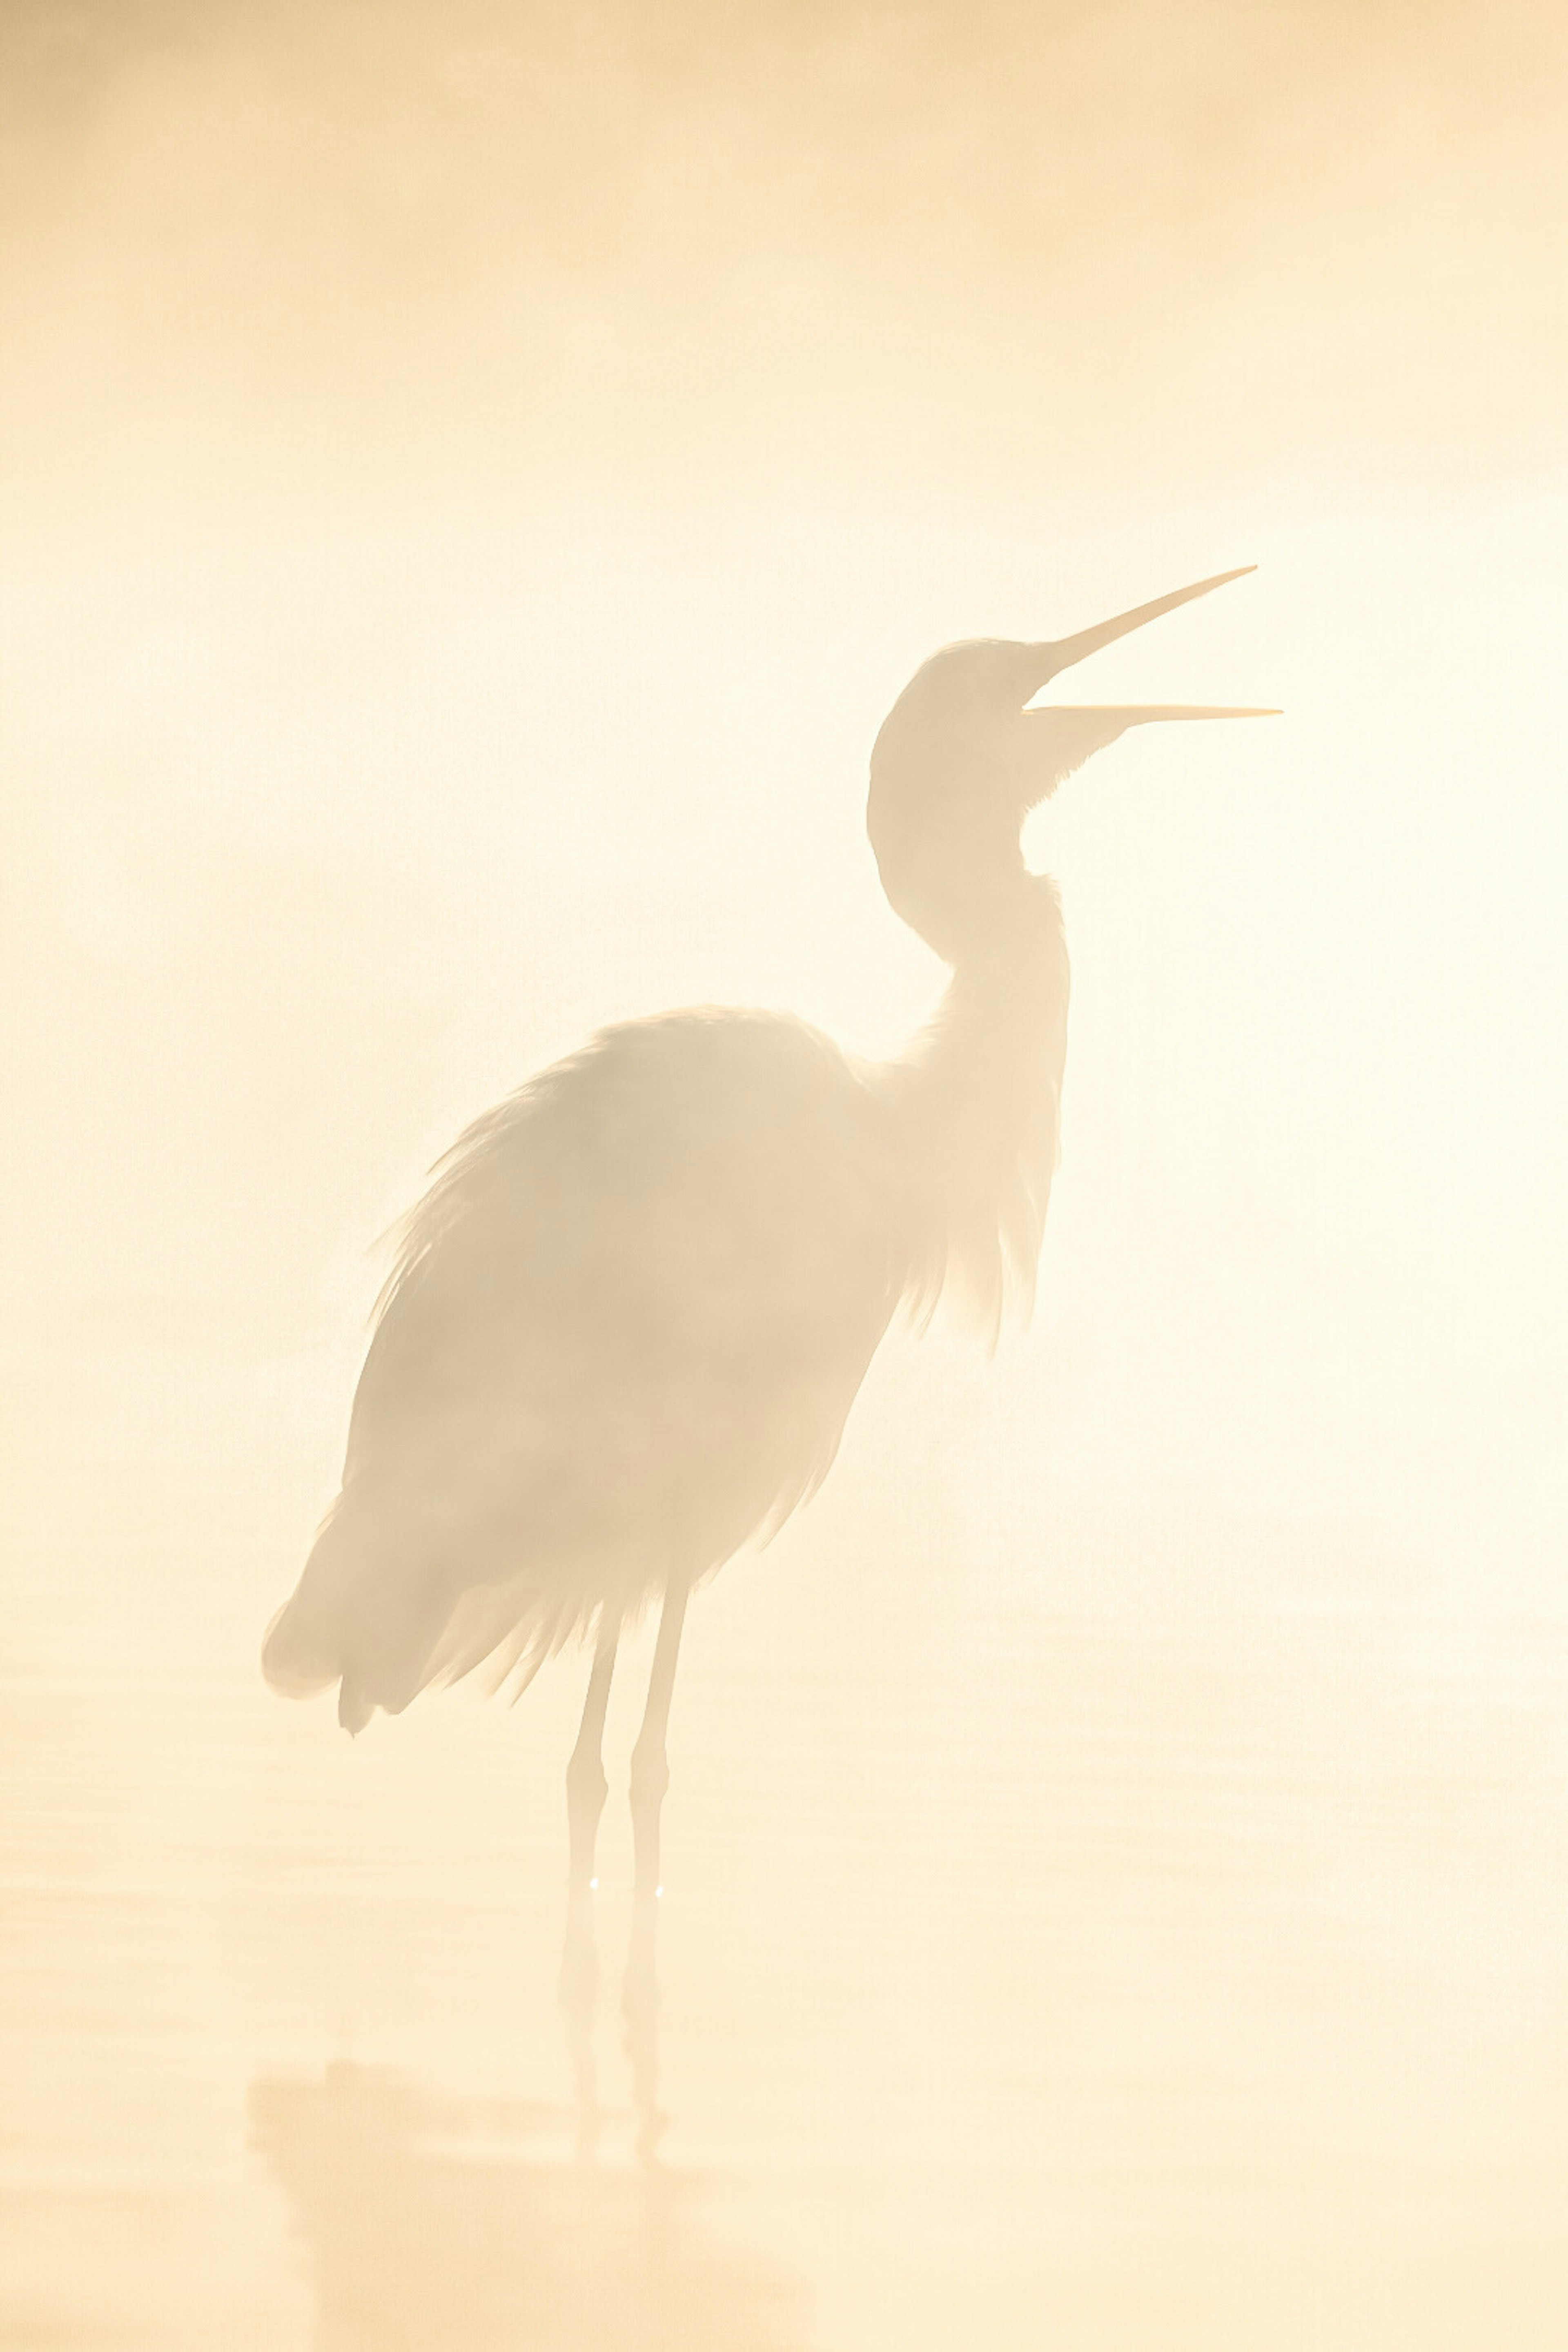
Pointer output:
x,y
651,1766
585,1791
650,1779
587,1787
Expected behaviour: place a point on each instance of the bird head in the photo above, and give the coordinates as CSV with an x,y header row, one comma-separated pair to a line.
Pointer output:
x,y
961,760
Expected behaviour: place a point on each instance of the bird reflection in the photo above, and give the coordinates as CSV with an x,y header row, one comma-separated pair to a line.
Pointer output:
x,y
625,1324
432,2221
639,2006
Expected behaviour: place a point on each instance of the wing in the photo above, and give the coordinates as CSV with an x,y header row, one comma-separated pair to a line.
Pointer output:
x,y
641,1295
622,1335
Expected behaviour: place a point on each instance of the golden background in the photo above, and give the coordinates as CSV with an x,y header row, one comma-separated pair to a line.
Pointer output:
x,y
474,479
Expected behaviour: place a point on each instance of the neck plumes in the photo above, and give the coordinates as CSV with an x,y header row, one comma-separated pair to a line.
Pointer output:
x,y
958,762
978,1094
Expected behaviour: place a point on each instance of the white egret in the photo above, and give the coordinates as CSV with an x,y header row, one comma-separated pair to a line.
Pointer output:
x,y
627,1321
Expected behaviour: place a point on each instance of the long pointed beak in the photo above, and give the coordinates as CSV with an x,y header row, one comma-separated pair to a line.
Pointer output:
x,y
1061,654
1060,736
1138,714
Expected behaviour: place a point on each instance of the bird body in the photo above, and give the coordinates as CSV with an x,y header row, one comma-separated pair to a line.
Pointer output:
x,y
627,1322
622,1335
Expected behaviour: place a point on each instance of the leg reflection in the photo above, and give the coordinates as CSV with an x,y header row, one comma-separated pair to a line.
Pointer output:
x,y
579,1996
639,2003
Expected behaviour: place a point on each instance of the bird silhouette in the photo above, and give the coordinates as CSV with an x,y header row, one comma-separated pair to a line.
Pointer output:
x,y
626,1323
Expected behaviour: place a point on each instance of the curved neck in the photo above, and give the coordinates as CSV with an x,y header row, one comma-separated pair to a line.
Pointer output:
x,y
955,874
1004,1017
978,1096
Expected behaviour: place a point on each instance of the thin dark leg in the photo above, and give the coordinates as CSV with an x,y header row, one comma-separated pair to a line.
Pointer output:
x,y
650,1779
586,1791
651,1766
587,1787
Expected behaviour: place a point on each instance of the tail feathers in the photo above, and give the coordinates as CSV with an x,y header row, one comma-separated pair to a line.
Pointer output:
x,y
366,1614
391,1600
354,1710
305,1649
299,1654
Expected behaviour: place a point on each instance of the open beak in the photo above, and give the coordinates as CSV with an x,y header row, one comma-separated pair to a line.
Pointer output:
x,y
1138,714
1054,658
1061,736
